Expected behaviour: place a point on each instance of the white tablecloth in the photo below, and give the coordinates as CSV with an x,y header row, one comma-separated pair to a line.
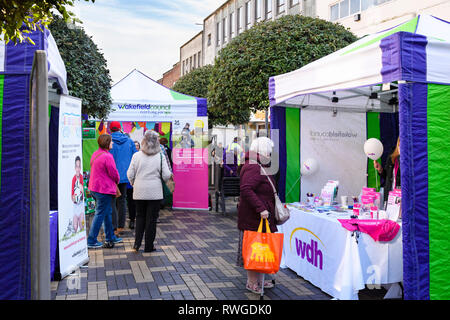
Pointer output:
x,y
320,250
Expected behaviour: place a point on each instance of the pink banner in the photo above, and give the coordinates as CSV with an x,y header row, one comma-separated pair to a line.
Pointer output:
x,y
190,168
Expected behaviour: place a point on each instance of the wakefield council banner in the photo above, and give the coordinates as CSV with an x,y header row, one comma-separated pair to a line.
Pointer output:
x,y
71,221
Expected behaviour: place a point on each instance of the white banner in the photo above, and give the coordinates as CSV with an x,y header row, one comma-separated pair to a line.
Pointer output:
x,y
337,144
71,220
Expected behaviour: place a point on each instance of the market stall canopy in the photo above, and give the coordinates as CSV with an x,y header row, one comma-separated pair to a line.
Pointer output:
x,y
139,98
18,59
351,78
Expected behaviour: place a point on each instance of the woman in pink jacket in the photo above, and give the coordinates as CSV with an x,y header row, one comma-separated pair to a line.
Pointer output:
x,y
103,185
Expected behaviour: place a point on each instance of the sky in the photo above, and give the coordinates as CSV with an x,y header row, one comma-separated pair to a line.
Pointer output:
x,y
142,34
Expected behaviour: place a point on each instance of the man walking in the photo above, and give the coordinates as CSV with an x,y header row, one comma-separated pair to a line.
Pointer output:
x,y
122,151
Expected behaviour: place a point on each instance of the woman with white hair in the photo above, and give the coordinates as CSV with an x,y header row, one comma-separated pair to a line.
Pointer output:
x,y
256,201
146,169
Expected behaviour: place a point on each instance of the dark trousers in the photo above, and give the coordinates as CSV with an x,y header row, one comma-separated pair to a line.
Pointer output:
x,y
147,212
119,210
131,205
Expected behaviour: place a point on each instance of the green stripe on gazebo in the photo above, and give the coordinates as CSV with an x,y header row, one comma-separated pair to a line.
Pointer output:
x,y
293,155
373,131
409,26
180,96
438,118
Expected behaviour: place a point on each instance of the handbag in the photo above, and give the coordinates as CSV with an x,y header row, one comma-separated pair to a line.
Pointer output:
x,y
167,191
262,252
282,213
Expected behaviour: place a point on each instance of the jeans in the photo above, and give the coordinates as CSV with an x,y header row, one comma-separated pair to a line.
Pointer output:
x,y
147,212
103,211
119,210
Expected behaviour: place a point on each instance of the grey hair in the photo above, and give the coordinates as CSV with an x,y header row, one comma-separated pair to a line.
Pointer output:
x,y
150,143
262,146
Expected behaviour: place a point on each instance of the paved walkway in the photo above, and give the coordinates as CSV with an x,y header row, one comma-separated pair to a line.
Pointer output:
x,y
195,260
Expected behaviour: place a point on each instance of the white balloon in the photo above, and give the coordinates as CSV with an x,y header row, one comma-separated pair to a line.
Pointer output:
x,y
373,148
309,167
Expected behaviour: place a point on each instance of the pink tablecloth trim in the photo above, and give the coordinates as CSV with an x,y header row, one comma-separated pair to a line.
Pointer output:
x,y
379,230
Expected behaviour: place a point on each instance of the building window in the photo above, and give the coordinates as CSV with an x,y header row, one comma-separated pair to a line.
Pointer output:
x,y
258,14
190,64
224,30
294,2
345,8
182,70
280,6
209,39
231,26
195,61
240,20
199,63
248,17
218,34
355,6
334,12
268,9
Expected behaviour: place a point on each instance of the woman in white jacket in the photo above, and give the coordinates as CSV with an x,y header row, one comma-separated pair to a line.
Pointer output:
x,y
146,169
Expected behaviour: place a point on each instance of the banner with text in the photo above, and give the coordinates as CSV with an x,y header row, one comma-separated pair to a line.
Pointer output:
x,y
190,163
71,220
336,142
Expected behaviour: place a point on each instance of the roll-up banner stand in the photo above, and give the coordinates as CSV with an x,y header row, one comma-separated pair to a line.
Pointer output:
x,y
72,239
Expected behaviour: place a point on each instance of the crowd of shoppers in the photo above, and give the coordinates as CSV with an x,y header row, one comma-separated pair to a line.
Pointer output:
x,y
126,171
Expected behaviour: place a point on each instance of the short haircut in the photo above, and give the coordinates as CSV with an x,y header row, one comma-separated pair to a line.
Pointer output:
x,y
262,146
104,140
163,141
77,158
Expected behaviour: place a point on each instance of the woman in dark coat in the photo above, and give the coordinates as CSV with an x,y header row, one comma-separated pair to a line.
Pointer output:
x,y
256,201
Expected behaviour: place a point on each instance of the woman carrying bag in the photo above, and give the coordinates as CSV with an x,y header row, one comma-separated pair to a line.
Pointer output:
x,y
103,186
146,174
257,201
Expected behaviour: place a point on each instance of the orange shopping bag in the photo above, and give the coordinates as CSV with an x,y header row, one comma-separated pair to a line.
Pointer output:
x,y
262,251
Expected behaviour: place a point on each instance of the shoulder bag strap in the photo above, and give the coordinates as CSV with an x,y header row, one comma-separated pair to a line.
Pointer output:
x,y
268,178
98,155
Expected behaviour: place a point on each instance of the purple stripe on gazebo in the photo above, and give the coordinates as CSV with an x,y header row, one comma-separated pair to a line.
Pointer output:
x,y
19,57
278,122
272,100
202,107
15,192
404,57
414,181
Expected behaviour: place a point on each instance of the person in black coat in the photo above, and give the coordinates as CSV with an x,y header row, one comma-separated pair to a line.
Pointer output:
x,y
390,172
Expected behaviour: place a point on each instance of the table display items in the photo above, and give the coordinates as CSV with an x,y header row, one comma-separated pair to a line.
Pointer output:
x,y
329,192
394,205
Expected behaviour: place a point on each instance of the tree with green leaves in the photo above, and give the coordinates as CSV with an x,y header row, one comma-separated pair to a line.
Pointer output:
x,y
88,77
195,83
239,80
19,17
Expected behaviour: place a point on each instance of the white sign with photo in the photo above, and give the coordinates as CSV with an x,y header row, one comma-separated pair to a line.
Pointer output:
x,y
71,220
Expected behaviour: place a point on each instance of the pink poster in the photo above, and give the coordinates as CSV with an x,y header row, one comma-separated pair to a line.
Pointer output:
x,y
190,170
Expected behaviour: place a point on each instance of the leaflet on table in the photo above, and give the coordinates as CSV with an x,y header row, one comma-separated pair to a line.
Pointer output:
x,y
329,192
394,205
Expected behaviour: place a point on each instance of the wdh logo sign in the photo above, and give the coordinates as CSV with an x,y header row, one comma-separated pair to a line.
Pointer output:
x,y
309,250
